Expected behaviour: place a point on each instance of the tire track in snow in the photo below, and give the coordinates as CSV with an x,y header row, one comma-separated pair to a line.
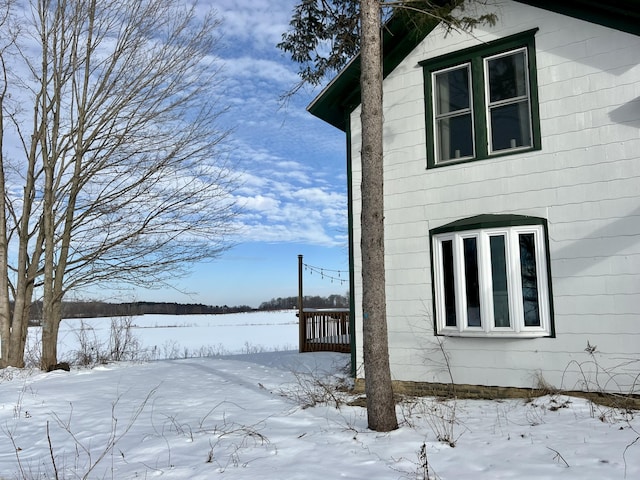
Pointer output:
x,y
229,378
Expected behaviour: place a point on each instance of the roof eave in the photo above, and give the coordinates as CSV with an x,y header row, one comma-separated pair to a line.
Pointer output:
x,y
338,99
623,15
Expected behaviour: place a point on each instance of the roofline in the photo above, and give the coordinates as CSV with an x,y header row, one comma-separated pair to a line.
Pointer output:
x,y
623,15
342,95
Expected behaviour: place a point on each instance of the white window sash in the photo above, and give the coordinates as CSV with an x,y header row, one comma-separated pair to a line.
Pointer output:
x,y
439,148
525,132
514,283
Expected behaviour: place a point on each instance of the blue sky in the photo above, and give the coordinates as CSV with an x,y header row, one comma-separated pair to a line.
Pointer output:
x,y
293,188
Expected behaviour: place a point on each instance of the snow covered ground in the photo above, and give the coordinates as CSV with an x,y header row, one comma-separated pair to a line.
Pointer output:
x,y
180,336
260,410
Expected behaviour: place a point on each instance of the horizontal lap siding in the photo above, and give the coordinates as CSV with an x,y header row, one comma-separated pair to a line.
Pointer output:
x,y
585,181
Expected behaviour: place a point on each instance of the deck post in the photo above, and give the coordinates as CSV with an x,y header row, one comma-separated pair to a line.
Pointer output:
x,y
301,319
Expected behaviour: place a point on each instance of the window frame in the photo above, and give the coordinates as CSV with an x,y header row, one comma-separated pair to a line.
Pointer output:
x,y
476,57
482,228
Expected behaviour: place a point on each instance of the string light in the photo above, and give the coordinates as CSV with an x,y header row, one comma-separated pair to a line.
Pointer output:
x,y
326,273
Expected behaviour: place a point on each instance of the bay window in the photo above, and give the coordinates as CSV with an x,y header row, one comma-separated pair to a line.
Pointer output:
x,y
491,278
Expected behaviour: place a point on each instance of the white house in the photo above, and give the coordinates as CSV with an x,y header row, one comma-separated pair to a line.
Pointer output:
x,y
512,197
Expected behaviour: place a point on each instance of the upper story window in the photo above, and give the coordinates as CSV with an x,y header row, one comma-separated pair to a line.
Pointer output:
x,y
491,278
482,102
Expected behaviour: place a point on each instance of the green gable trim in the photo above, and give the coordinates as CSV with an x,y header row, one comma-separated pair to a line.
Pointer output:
x,y
342,95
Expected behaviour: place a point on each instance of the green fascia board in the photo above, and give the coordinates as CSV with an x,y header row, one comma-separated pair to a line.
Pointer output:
x,y
342,95
623,15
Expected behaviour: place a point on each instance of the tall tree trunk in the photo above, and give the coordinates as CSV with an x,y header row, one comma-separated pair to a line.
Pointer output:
x,y
18,335
49,321
26,272
380,402
51,315
5,306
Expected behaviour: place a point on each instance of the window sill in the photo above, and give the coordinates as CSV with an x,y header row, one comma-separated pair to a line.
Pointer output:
x,y
456,161
510,335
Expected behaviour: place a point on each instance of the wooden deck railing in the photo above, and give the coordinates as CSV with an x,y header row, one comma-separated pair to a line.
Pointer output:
x,y
323,330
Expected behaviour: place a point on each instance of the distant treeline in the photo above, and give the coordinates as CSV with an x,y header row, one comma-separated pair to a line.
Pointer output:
x,y
93,309
332,301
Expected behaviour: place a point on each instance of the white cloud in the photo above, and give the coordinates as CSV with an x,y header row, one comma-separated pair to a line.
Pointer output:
x,y
259,203
312,234
260,22
316,195
243,67
280,211
292,190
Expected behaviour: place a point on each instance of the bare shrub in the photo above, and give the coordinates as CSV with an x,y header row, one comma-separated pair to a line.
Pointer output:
x,y
613,390
123,345
170,350
423,470
249,348
310,391
227,439
33,351
313,388
90,350
624,454
440,414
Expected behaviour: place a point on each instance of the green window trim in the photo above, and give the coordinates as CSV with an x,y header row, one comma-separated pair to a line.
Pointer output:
x,y
475,58
506,259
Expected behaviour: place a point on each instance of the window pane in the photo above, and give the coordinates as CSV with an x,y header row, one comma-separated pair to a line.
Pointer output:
x,y
510,126
507,77
452,91
529,280
455,137
499,279
449,285
471,282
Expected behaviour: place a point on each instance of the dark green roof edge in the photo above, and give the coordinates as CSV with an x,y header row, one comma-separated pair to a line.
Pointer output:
x,y
623,15
488,221
342,95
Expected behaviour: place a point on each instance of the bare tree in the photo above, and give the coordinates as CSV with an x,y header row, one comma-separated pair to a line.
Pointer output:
x,y
325,35
126,179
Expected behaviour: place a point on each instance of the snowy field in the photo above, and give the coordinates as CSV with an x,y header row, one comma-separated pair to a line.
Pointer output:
x,y
256,409
182,336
